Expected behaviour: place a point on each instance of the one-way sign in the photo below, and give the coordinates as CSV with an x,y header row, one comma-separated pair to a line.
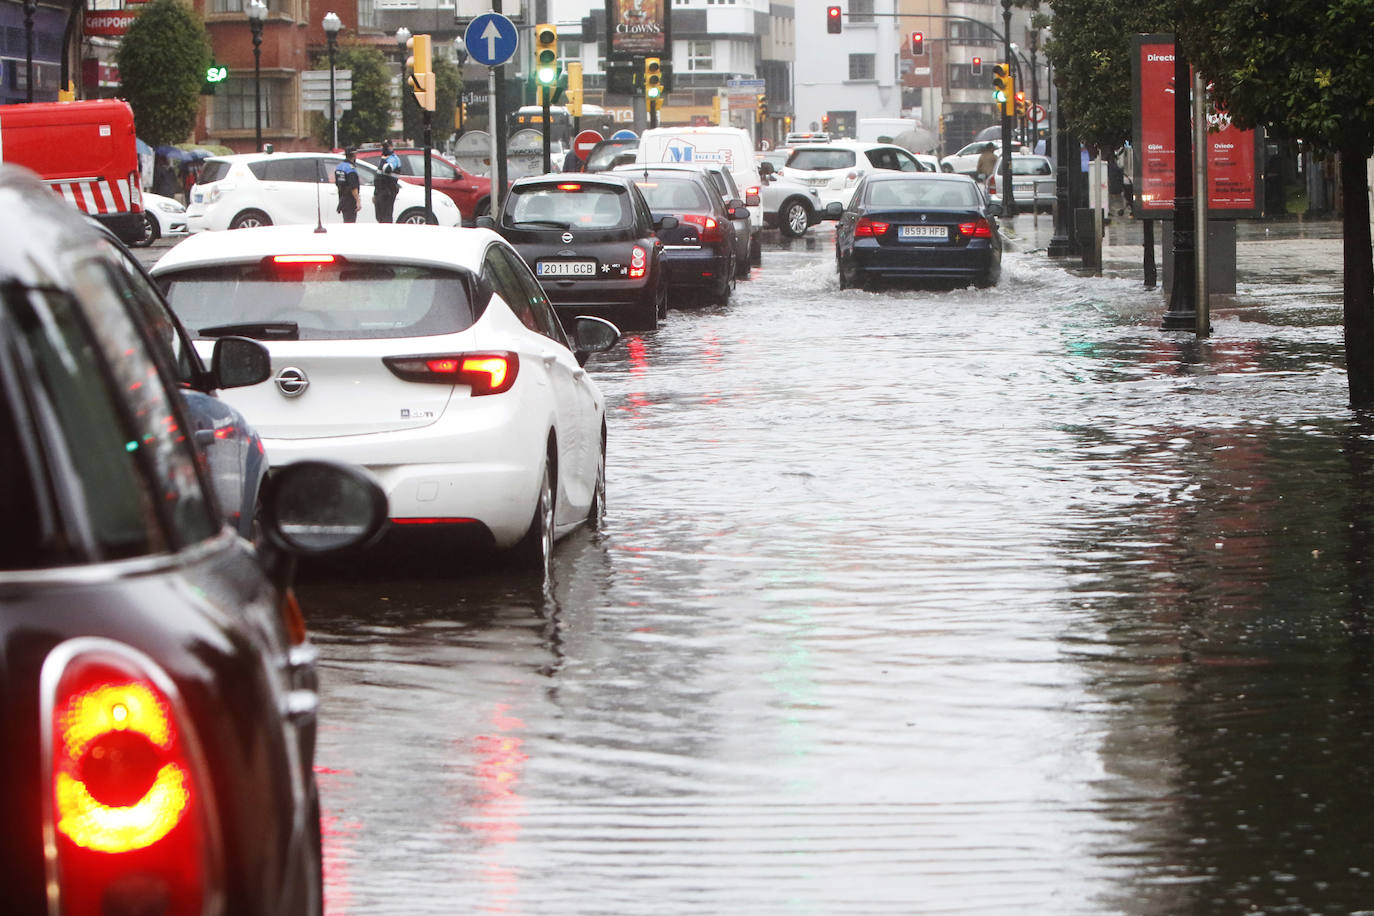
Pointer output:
x,y
491,39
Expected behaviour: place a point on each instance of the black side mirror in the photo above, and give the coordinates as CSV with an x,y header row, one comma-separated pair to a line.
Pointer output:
x,y
735,209
238,362
666,222
994,209
311,508
834,209
484,222
592,335
766,169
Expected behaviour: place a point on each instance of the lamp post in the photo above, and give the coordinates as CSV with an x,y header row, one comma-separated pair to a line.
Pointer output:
x,y
332,24
257,12
1008,201
403,36
30,9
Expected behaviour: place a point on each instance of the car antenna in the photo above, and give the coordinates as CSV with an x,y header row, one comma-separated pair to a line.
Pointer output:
x,y
319,209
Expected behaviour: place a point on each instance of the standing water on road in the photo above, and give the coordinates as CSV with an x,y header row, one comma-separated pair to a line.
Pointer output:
x,y
907,602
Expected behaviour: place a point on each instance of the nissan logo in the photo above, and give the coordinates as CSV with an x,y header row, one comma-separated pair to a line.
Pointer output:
x,y
567,237
292,382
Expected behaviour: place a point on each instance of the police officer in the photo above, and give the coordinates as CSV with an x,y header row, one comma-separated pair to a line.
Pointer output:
x,y
346,180
387,185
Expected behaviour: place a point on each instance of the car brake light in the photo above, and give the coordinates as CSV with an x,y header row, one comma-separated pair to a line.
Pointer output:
x,y
752,197
708,230
128,794
867,228
569,187
303,259
484,373
638,260
979,229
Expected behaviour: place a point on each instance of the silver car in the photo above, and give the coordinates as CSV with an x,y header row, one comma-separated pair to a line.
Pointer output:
x,y
1032,182
788,204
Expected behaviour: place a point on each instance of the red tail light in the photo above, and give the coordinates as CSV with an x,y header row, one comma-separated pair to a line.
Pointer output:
x,y
708,230
638,261
484,373
752,197
129,806
867,228
979,229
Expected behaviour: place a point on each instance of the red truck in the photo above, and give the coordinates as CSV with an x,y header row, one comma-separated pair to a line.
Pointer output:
x,y
86,151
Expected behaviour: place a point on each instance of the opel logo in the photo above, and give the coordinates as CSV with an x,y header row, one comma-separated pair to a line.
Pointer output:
x,y
292,382
567,238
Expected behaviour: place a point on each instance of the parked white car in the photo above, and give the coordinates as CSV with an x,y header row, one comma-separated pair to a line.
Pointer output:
x,y
163,217
279,189
430,356
965,161
789,205
835,167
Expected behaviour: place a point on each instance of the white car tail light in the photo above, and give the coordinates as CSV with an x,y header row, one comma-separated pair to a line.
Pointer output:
x,y
128,808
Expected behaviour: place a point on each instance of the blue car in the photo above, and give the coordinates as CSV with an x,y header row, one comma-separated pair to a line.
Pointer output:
x,y
927,229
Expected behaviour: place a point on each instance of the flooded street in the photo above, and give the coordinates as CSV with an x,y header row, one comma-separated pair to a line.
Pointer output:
x,y
974,602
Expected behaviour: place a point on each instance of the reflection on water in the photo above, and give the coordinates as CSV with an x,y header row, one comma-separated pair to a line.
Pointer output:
x,y
906,603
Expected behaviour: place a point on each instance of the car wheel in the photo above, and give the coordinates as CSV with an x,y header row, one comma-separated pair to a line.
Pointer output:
x,y
741,268
250,219
721,294
794,218
661,301
596,513
150,231
755,251
417,216
535,550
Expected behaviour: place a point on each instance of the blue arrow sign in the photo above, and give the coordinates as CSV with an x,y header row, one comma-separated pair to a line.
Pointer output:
x,y
491,39
624,135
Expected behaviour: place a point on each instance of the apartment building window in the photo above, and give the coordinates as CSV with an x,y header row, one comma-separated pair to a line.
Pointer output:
x,y
699,56
861,67
860,11
234,108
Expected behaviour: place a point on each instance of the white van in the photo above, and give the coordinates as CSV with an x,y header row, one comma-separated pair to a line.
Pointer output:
x,y
874,130
729,146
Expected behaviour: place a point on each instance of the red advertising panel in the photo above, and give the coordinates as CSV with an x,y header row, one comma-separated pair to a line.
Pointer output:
x,y
1233,175
107,22
638,28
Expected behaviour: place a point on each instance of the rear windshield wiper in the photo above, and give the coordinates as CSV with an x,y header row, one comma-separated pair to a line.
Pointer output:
x,y
258,330
551,223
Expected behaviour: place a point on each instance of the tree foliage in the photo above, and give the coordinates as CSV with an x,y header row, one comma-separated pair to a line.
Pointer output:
x,y
162,62
369,120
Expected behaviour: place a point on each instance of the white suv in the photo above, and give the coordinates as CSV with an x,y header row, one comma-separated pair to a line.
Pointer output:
x,y
834,168
265,189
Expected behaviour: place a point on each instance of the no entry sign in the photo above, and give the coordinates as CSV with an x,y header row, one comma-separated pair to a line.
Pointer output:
x,y
583,143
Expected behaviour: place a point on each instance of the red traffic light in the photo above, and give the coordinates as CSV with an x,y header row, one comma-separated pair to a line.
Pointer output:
x,y
832,20
918,44
977,67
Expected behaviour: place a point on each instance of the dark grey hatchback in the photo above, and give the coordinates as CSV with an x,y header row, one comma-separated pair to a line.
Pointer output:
x,y
589,239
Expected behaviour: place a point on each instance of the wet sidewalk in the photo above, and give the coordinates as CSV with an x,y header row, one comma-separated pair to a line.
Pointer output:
x,y
1298,253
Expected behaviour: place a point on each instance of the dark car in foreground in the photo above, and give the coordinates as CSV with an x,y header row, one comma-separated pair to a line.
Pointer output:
x,y
700,246
159,686
590,241
931,229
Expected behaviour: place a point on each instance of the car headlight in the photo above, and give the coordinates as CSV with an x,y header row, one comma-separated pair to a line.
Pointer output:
x,y
169,206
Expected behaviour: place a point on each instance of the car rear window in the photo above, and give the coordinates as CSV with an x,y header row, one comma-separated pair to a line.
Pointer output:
x,y
343,300
673,194
820,159
918,193
568,205
212,170
1031,167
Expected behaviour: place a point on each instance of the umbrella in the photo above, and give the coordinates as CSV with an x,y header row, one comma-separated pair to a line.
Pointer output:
x,y
918,140
143,148
172,152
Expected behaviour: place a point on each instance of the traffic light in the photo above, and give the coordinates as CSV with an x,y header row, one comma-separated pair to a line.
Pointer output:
x,y
918,44
420,64
977,67
762,108
832,20
574,88
1004,88
653,79
715,109
546,54
1022,109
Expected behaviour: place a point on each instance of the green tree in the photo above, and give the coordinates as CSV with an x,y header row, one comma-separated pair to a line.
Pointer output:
x,y
446,81
1302,69
162,62
369,120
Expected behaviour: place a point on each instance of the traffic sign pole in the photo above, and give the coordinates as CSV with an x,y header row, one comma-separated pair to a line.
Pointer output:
x,y
491,40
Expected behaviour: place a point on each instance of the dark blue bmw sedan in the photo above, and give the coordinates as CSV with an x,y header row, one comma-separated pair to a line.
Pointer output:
x,y
928,229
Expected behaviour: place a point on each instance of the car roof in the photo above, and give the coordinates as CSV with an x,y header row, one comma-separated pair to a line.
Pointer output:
x,y
399,243
36,249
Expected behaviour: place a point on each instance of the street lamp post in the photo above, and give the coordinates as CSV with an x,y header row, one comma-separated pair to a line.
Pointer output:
x,y
403,36
30,9
332,24
257,13
1008,202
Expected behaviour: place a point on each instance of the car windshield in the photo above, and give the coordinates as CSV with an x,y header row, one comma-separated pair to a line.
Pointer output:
x,y
320,301
916,193
567,205
819,159
675,195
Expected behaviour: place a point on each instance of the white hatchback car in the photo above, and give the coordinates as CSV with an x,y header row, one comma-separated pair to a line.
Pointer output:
x,y
834,168
267,189
163,217
430,356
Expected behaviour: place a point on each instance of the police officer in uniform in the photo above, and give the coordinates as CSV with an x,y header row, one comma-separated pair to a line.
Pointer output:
x,y
346,180
387,185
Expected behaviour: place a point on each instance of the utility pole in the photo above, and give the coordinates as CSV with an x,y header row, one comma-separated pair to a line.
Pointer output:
x,y
1182,313
1008,201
